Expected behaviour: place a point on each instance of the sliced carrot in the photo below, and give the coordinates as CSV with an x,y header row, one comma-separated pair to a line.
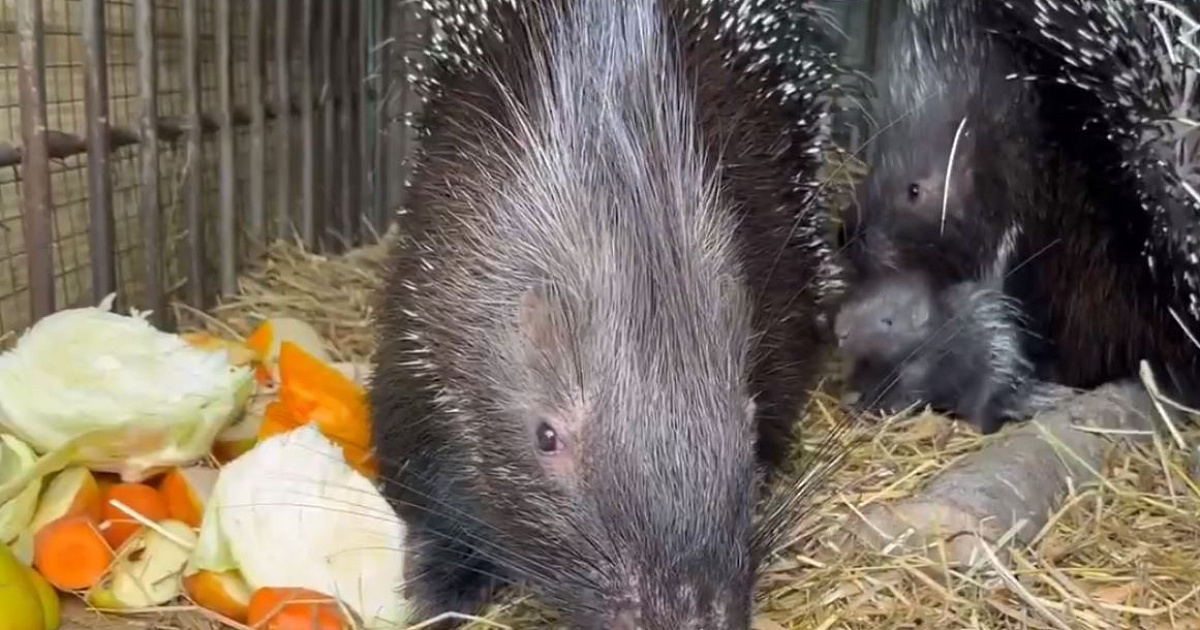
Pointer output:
x,y
314,391
139,497
71,553
291,608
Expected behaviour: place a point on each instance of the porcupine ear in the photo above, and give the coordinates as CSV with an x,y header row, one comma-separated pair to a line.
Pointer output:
x,y
540,320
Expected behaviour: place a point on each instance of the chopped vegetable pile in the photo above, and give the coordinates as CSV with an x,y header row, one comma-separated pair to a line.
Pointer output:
x,y
141,469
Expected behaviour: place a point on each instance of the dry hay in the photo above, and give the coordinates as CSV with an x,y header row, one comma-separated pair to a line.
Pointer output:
x,y
333,294
1123,553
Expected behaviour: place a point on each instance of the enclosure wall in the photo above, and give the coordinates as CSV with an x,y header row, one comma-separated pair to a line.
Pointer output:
x,y
153,147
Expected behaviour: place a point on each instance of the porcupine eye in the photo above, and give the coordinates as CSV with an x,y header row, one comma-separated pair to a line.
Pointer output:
x,y
914,191
547,438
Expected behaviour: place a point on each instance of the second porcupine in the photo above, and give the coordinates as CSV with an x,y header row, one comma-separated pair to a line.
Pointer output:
x,y
596,333
981,178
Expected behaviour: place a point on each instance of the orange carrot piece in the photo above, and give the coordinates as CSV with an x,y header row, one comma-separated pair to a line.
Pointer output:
x,y
71,553
139,497
291,608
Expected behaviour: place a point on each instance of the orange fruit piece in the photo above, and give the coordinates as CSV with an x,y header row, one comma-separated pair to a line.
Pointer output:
x,y
139,497
225,593
260,340
291,608
185,492
277,419
71,553
314,391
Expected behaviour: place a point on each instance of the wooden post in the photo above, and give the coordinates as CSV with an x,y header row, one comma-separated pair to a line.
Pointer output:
x,y
359,159
346,121
283,208
329,102
197,253
35,169
307,129
258,166
148,206
382,56
228,231
95,63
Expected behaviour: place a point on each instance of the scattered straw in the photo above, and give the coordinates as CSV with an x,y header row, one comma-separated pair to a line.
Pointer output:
x,y
1120,553
333,294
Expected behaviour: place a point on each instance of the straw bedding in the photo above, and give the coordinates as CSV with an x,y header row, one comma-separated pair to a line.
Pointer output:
x,y
1121,552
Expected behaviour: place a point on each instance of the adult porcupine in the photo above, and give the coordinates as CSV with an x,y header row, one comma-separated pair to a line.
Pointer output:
x,y
592,324
1124,79
984,186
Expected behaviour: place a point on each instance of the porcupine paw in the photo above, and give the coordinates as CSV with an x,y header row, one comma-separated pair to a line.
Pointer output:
x,y
881,390
443,577
959,389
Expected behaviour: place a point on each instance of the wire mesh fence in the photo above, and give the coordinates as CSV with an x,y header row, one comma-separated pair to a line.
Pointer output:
x,y
152,147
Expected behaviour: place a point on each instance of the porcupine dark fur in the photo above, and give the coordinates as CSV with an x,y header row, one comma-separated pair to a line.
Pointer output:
x,y
1027,213
1121,81
599,324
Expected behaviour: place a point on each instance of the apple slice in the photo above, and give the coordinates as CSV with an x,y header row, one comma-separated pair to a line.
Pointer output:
x,y
149,570
241,436
186,491
71,492
225,593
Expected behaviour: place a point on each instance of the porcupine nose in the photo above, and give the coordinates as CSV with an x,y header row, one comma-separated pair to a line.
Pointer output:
x,y
841,327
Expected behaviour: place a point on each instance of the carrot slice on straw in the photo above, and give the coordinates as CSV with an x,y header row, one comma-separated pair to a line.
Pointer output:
x,y
139,497
291,608
71,553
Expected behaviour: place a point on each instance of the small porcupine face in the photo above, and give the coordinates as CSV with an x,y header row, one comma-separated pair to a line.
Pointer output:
x,y
884,320
910,214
